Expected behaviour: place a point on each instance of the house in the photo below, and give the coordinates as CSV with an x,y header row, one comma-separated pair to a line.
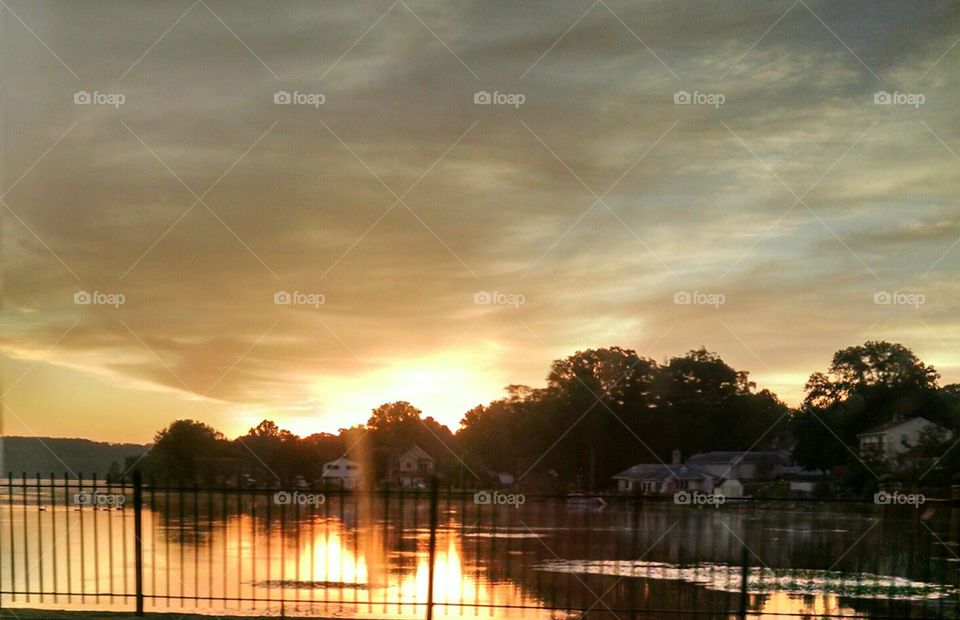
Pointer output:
x,y
414,468
750,466
661,479
898,436
342,473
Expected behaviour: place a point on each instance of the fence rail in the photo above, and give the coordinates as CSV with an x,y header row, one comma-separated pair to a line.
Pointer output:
x,y
78,543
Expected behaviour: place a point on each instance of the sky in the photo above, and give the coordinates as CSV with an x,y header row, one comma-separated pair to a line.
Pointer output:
x,y
452,195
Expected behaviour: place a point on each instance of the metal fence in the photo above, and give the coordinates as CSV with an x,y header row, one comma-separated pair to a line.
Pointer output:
x,y
75,543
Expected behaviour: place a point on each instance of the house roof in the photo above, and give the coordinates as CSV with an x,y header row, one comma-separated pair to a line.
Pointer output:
x,y
416,453
344,460
798,471
892,424
658,471
729,457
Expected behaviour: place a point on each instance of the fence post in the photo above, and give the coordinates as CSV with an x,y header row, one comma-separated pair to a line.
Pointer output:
x,y
634,540
434,496
138,537
744,573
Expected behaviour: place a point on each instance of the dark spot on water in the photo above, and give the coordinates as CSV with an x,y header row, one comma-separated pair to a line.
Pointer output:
x,y
310,585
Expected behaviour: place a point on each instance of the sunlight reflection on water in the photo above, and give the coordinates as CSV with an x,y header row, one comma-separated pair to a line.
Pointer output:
x,y
337,566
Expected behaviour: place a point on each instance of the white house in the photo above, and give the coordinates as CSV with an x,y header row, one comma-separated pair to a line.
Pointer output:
x,y
896,437
414,468
341,472
660,479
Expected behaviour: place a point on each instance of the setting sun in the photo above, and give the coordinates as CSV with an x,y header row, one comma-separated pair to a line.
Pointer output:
x,y
444,386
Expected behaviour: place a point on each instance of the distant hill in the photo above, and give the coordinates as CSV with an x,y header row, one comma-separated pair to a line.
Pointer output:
x,y
48,455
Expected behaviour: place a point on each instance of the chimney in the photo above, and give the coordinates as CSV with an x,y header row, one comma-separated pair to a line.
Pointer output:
x,y
675,457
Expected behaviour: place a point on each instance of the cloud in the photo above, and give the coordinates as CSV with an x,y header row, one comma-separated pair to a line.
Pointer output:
x,y
496,198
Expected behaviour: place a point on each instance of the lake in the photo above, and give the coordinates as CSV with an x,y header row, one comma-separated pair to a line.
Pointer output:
x,y
367,556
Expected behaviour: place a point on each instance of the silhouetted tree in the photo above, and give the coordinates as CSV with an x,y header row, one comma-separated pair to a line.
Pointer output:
x,y
606,409
865,386
276,453
180,448
394,428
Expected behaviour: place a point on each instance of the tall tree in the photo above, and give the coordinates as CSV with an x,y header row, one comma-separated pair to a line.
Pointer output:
x,y
595,395
394,428
709,405
864,387
276,452
180,447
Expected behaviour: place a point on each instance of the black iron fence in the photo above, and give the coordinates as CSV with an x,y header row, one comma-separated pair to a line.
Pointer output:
x,y
76,543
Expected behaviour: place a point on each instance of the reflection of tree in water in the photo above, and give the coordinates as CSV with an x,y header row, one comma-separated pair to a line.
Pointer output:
x,y
780,538
506,547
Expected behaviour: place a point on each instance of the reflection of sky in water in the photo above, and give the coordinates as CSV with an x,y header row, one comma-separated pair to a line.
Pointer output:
x,y
760,580
338,565
333,568
328,566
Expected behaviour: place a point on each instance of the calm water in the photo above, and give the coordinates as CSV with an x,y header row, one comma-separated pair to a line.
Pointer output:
x,y
355,557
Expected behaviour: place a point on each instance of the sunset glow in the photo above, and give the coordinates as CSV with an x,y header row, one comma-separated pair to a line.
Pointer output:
x,y
302,289
539,309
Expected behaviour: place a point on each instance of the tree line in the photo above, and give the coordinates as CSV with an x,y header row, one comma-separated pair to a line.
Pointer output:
x,y
603,410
